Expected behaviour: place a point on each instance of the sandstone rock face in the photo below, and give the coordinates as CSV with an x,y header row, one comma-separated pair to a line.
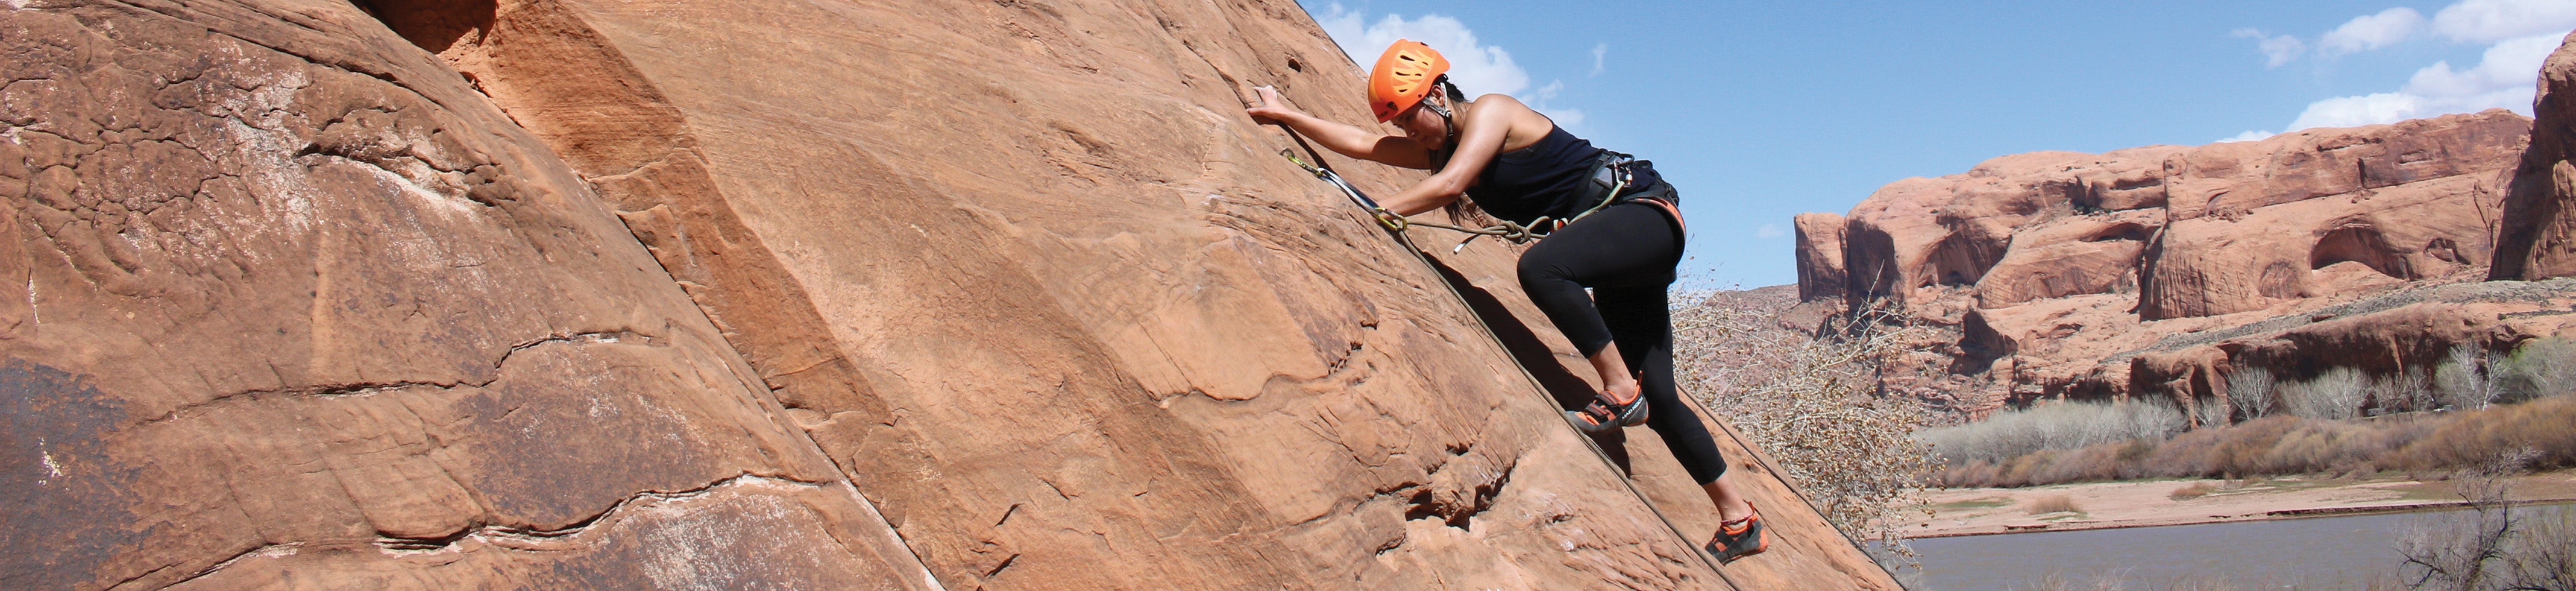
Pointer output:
x,y
2252,225
1918,235
624,294
2539,237
291,305
2404,330
2040,272
1820,256
2070,256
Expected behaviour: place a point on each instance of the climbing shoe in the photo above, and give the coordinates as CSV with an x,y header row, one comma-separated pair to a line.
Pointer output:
x,y
1604,415
1739,538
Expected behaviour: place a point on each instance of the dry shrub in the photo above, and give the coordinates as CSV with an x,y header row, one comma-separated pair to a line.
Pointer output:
x,y
2545,556
2251,390
2333,395
2053,425
2057,503
2271,445
2546,426
2382,579
2289,444
2207,411
2464,378
2191,491
2232,451
2070,442
2336,447
1813,404
2541,368
2495,544
2409,391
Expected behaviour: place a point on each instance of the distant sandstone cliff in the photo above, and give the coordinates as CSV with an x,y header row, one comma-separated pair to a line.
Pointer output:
x,y
2161,270
827,295
2539,239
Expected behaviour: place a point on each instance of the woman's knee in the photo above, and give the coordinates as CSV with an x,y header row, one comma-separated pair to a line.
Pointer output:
x,y
1536,269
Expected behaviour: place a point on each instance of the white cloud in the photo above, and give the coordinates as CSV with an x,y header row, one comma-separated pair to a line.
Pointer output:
x,y
2511,66
1570,119
2350,111
2248,136
2488,21
1598,51
2503,78
2277,49
1476,69
1549,91
1538,101
2364,33
1769,231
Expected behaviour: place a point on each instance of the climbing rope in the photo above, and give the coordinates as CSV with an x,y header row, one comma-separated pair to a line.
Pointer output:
x,y
1396,225
1515,232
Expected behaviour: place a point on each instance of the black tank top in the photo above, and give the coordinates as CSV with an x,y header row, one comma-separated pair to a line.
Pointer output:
x,y
1547,178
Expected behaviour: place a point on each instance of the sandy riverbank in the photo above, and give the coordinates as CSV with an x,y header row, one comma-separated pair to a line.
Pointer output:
x,y
2097,505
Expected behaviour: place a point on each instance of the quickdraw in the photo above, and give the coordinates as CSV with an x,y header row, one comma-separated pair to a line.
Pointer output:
x,y
1515,232
1397,223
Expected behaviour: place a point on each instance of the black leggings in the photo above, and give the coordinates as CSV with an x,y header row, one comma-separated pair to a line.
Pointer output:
x,y
1626,253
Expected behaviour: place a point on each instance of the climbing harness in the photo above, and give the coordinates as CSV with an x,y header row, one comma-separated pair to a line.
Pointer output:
x,y
1609,175
1411,74
1396,224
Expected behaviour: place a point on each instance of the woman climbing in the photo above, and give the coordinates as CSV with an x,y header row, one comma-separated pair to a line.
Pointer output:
x,y
1609,222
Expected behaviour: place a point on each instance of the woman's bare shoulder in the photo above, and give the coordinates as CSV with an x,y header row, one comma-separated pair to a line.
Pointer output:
x,y
1527,126
1505,100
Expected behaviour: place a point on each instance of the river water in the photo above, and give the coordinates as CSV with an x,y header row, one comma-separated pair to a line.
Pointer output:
x,y
2312,553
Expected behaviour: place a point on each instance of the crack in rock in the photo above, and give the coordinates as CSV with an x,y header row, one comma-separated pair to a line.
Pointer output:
x,y
369,388
508,536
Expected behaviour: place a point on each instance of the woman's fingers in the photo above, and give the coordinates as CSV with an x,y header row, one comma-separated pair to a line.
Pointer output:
x,y
1267,108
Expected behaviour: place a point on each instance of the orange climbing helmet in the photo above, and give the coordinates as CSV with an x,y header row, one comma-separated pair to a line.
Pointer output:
x,y
1403,75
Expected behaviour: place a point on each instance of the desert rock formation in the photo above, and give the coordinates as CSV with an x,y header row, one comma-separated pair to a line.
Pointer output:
x,y
2403,329
1820,255
2539,238
621,294
2049,274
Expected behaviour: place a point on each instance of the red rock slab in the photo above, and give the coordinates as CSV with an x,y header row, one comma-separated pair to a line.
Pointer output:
x,y
2071,256
1082,327
1820,256
2538,240
2410,328
2221,265
1806,551
292,304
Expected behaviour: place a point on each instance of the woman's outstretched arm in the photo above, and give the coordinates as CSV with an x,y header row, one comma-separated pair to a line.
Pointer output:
x,y
1346,139
1480,137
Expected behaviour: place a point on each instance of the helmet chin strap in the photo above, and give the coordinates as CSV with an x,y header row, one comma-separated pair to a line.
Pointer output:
x,y
1438,102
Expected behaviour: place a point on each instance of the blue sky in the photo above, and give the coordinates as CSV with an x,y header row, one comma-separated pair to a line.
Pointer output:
x,y
1760,111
